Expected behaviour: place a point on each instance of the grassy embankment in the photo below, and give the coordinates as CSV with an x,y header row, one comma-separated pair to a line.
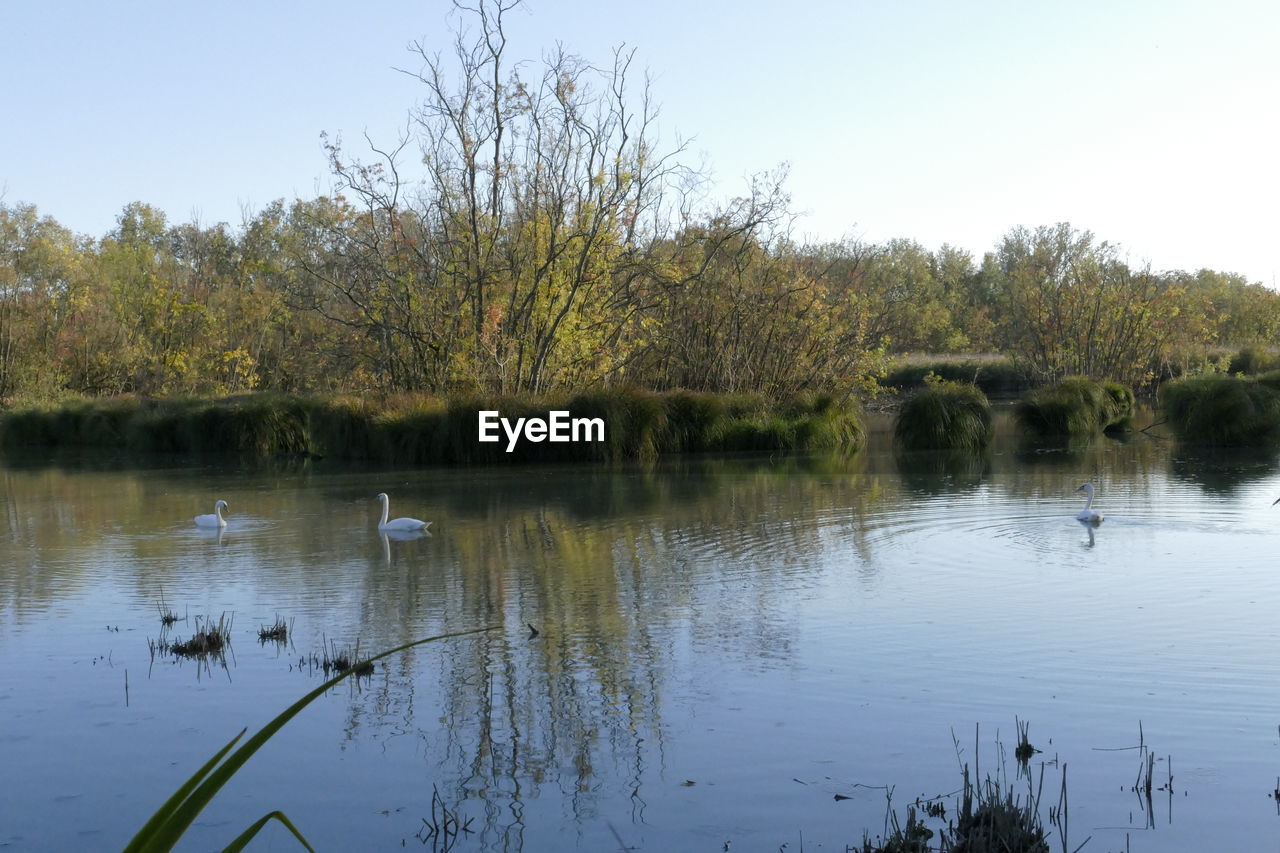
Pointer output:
x,y
417,430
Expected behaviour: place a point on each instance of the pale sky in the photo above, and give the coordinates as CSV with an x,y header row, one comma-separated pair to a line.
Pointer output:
x,y
1152,124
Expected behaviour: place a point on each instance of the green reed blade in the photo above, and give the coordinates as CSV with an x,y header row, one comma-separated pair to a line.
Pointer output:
x,y
173,819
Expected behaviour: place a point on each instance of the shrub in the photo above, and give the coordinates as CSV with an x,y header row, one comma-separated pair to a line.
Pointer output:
x,y
1222,410
1076,406
945,416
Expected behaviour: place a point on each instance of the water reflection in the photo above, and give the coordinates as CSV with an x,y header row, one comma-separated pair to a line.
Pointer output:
x,y
1224,470
216,534
936,472
693,618
1089,527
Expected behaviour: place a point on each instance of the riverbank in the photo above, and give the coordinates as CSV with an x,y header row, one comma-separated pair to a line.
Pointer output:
x,y
605,426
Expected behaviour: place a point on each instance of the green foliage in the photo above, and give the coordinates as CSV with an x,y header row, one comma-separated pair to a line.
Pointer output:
x,y
1254,360
484,277
945,416
1076,406
1223,411
1121,407
171,821
993,376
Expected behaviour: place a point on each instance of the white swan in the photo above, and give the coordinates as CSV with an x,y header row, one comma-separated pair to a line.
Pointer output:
x,y
1088,513
213,519
401,524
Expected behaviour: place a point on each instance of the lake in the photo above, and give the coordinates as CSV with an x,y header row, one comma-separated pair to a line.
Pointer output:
x,y
748,652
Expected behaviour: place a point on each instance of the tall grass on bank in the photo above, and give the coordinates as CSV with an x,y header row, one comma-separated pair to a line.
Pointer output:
x,y
994,376
1224,411
945,416
1076,406
418,430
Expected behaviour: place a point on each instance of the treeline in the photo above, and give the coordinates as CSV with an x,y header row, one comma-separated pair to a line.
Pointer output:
x,y
528,236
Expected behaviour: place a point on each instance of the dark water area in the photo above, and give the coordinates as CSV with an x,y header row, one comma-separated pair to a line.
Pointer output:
x,y
723,647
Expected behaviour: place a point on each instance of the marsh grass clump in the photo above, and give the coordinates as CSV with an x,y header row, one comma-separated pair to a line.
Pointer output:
x,y
1222,410
210,639
1024,750
945,416
1001,822
1121,409
990,818
338,661
1076,406
277,632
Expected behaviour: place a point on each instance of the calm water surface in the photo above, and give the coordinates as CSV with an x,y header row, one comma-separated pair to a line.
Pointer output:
x,y
724,646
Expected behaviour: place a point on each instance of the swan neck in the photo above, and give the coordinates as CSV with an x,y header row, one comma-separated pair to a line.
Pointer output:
x,y
1088,498
386,510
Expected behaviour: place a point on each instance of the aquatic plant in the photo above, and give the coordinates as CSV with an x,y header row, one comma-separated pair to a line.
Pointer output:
x,y
1222,410
276,632
210,639
945,416
166,827
1076,406
990,818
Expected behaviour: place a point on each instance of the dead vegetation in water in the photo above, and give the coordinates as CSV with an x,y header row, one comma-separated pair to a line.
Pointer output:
x,y
988,816
167,615
277,632
334,660
211,639
1024,750
1144,785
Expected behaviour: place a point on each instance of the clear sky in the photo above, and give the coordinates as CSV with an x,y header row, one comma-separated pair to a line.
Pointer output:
x,y
1152,124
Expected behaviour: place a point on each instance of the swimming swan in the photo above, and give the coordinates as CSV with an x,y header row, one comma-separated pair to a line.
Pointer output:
x,y
398,523
1088,514
214,519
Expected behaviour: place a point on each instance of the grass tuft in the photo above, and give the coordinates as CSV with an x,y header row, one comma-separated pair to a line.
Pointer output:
x,y
1223,411
1076,406
945,416
276,632
210,639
